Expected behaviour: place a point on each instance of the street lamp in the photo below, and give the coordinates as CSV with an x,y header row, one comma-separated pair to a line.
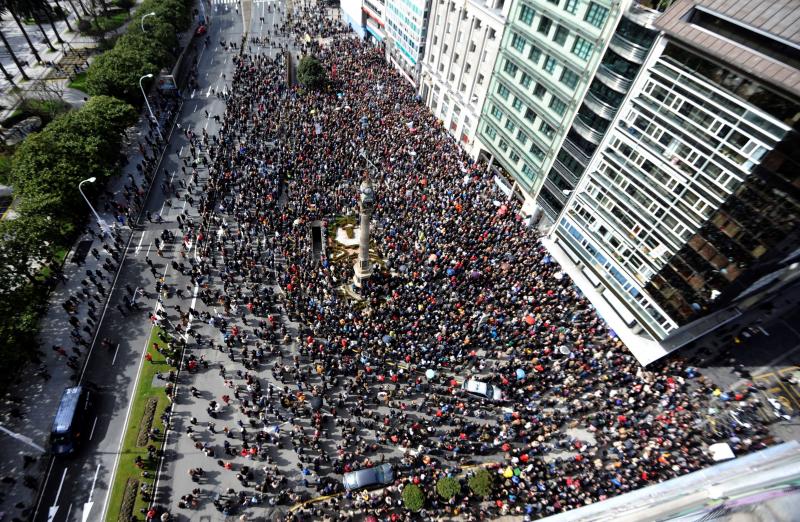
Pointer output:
x,y
149,109
100,221
145,16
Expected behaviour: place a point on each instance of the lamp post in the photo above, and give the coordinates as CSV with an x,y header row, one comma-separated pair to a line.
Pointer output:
x,y
145,16
100,221
149,109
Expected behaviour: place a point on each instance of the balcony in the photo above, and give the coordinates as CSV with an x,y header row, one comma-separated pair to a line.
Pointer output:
x,y
613,79
575,152
599,107
565,172
627,49
586,131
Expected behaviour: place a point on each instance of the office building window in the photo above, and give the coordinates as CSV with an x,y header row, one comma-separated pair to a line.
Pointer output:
x,y
526,15
539,91
569,78
516,104
582,48
596,15
480,79
530,115
549,64
503,145
547,130
518,42
510,126
491,132
502,91
522,138
510,68
534,54
525,80
560,36
497,113
558,106
513,156
571,6
528,171
544,25
537,152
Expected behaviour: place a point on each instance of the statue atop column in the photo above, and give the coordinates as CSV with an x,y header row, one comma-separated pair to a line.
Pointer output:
x,y
363,266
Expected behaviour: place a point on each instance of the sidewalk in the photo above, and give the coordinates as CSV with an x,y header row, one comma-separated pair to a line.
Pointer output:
x,y
29,409
39,72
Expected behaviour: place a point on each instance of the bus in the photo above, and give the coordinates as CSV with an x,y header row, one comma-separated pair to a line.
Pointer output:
x,y
71,420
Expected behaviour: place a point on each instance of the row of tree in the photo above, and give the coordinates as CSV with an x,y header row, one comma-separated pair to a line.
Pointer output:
x,y
138,53
480,484
46,169
37,10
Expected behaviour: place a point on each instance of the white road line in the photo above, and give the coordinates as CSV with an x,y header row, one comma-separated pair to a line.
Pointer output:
x,y
209,91
139,246
195,107
180,152
130,408
46,480
116,351
60,485
149,246
193,91
68,512
94,424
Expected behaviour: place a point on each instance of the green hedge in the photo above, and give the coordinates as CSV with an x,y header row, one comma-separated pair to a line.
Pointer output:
x,y
135,54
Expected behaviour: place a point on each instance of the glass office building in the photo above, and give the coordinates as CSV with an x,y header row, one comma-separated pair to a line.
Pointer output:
x,y
692,195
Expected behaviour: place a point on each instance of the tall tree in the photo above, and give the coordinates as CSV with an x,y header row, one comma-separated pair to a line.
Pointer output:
x,y
9,78
65,14
13,56
7,6
31,9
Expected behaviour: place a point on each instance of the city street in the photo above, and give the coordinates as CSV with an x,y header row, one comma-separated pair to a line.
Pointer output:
x,y
77,488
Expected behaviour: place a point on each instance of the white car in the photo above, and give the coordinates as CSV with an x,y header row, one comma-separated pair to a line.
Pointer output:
x,y
483,390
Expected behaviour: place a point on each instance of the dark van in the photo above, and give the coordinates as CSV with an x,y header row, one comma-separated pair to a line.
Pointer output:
x,y
72,417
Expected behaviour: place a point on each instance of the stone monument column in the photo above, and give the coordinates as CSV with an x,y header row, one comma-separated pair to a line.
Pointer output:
x,y
363,266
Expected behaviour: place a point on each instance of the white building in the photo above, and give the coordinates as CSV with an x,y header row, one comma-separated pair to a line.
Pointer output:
x,y
353,15
406,26
462,45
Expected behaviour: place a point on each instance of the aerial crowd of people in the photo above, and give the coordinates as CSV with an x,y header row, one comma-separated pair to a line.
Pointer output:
x,y
347,378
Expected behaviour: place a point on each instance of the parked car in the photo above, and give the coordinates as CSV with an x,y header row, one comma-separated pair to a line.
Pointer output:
x,y
483,390
382,475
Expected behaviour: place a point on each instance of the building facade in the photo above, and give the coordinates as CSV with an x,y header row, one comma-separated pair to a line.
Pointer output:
x,y
407,28
462,45
548,56
618,68
692,199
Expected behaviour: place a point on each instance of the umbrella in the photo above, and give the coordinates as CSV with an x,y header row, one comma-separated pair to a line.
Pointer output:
x,y
520,374
315,403
387,339
506,447
530,319
430,374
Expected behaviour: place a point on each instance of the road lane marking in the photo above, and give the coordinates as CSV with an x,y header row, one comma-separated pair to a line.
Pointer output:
x,y
94,424
139,246
46,480
116,351
51,513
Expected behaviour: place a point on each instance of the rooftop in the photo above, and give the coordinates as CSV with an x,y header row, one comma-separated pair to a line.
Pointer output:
x,y
760,38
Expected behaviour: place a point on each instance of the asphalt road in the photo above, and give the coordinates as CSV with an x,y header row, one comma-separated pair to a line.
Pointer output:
x,y
77,488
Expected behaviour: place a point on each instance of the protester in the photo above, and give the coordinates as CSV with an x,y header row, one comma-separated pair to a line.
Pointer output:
x,y
463,287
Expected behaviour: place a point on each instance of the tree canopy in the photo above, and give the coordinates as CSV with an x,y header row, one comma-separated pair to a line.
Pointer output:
x,y
311,74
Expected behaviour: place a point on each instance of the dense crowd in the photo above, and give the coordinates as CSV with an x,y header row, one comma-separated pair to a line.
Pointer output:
x,y
462,287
